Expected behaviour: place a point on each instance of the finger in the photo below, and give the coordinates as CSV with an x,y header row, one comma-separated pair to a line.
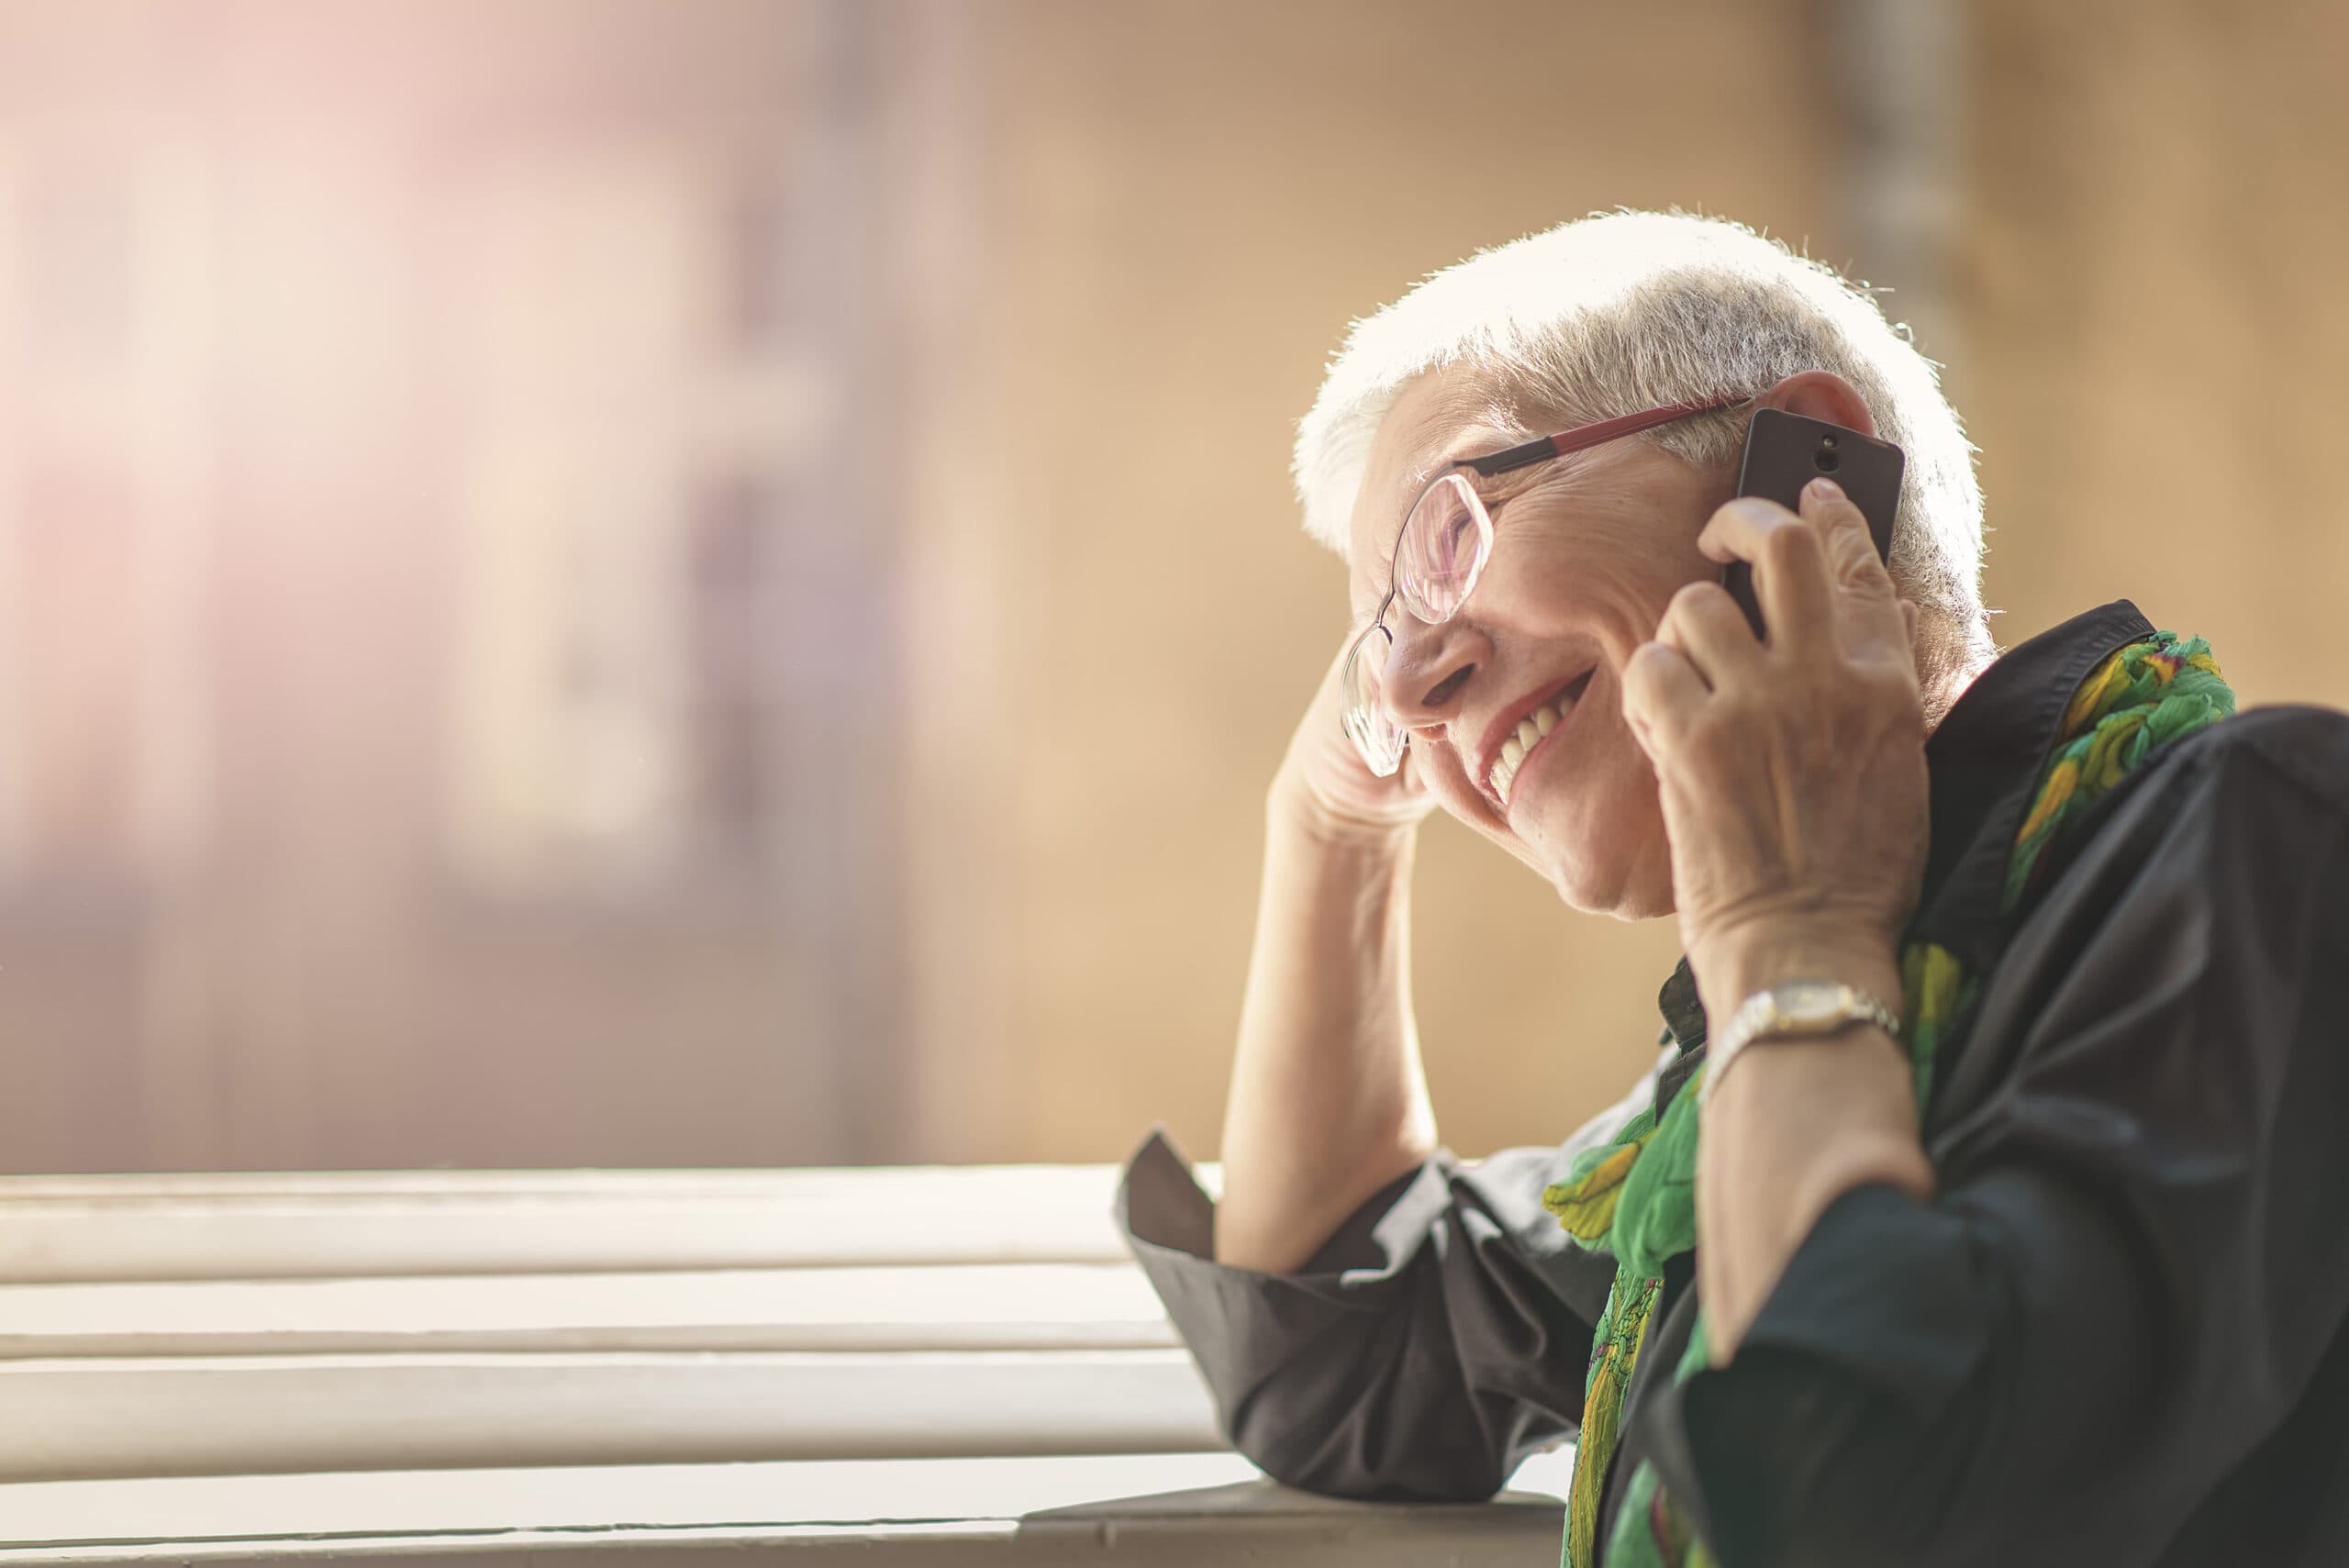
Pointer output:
x,y
1662,695
1790,574
1911,653
1869,611
1705,626
1842,531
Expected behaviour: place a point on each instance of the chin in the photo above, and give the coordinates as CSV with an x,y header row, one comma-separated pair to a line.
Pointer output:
x,y
1627,892
1617,863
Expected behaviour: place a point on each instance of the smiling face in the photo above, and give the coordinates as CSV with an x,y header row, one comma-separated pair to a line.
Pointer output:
x,y
1587,551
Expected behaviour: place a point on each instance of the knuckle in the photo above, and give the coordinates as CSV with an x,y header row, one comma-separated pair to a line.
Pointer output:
x,y
1788,545
1701,599
1891,684
1716,734
1743,514
1743,707
1647,663
1861,572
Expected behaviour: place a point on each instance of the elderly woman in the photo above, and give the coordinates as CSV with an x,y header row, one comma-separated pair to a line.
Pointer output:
x,y
1982,1206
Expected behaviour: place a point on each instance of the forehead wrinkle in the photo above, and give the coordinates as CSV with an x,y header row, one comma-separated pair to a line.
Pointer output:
x,y
1449,402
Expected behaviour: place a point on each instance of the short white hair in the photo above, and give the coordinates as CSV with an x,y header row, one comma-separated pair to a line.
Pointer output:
x,y
1623,311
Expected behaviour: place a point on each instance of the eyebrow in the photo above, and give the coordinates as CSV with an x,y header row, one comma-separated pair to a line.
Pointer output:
x,y
1419,478
1489,438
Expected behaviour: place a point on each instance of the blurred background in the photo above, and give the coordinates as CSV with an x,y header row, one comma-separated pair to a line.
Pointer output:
x,y
713,582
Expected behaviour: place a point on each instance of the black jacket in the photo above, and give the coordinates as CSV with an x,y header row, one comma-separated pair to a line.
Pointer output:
x,y
2114,1337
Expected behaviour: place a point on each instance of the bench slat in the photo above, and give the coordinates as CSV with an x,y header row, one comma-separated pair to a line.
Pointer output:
x,y
315,1224
974,1307
224,1414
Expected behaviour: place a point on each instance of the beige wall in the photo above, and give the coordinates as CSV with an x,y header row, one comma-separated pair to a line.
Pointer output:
x,y
1187,201
2157,327
1185,204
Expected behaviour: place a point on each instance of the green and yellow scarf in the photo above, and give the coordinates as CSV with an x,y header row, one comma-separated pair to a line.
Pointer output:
x,y
1635,1198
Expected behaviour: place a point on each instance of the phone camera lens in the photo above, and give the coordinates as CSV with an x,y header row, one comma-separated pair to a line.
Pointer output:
x,y
1826,462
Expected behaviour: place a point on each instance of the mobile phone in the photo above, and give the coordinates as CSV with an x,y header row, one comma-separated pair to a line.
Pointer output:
x,y
1785,452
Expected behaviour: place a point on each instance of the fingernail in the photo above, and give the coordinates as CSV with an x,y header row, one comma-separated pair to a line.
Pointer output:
x,y
1826,490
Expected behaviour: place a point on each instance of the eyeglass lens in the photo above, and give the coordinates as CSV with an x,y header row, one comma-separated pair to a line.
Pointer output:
x,y
1446,540
1444,544
1363,719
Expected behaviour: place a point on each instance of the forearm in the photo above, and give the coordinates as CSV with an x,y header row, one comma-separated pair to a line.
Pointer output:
x,y
1794,1126
1329,1102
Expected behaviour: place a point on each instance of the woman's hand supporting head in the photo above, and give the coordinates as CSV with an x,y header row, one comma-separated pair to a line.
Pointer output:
x,y
1325,787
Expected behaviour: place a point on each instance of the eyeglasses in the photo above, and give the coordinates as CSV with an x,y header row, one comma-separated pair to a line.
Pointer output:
x,y
1447,538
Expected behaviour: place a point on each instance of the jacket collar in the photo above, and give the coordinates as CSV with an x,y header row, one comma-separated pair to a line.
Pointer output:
x,y
1984,763
1984,760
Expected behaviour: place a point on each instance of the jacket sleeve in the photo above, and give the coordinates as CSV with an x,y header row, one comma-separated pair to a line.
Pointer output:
x,y
2135,1270
1436,1339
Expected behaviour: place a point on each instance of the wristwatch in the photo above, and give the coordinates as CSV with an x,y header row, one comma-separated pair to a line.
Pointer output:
x,y
1794,1009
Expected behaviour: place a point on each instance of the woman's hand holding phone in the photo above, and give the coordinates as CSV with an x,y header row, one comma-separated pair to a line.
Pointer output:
x,y
1792,772
1323,782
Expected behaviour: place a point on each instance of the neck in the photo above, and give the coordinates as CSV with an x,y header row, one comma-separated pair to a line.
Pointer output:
x,y
1946,666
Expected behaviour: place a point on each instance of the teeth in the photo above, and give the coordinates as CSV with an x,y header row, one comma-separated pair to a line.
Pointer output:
x,y
1528,735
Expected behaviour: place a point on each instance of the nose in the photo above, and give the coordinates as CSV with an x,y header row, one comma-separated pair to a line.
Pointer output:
x,y
1429,669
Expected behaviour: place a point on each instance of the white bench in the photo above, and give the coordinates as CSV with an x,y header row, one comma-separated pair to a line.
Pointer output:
x,y
451,1366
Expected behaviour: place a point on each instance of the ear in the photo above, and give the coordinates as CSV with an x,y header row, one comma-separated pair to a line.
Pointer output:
x,y
1821,395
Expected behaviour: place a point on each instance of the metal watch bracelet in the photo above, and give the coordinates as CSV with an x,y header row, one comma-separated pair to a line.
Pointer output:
x,y
1792,1010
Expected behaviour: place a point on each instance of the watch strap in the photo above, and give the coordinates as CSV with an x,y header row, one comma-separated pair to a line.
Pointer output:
x,y
1793,1010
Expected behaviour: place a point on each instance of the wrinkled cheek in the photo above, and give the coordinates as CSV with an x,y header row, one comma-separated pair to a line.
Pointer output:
x,y
1613,800
1454,793
1462,802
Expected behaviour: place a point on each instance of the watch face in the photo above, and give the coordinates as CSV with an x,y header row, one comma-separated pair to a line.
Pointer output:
x,y
1813,1003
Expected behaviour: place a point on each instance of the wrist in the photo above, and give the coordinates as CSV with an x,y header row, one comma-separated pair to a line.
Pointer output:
x,y
1296,810
1734,966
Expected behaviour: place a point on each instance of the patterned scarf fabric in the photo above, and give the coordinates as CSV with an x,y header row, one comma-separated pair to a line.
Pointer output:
x,y
1635,1198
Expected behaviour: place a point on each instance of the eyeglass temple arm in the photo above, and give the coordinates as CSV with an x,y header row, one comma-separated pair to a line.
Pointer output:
x,y
1543,448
